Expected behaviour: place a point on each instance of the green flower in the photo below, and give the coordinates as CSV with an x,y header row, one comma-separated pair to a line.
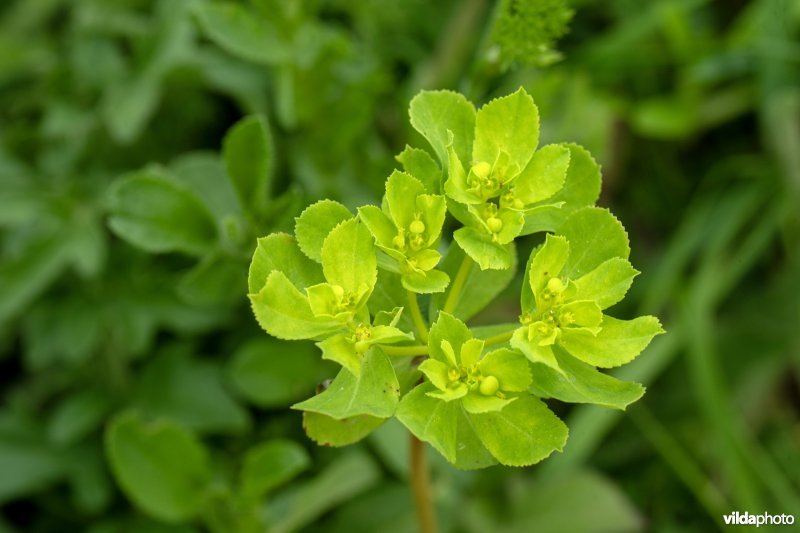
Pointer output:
x,y
408,230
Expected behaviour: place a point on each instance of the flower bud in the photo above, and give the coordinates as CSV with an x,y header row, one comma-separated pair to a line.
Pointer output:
x,y
338,291
482,169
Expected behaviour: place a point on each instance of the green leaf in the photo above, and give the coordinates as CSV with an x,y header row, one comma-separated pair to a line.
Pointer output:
x,y
617,343
547,263
509,367
188,391
279,251
434,113
402,191
523,433
77,415
242,32
273,373
158,214
373,392
480,247
217,280
481,287
432,281
249,159
336,348
535,352
475,402
271,464
510,124
348,256
161,467
315,224
445,427
284,312
327,431
582,383
581,188
421,165
447,328
27,460
544,175
608,283
379,224
595,236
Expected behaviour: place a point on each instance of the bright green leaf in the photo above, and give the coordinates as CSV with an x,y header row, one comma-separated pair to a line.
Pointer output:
x,y
315,223
510,124
279,251
249,159
606,284
480,247
596,236
544,175
348,257
421,165
434,113
327,431
617,343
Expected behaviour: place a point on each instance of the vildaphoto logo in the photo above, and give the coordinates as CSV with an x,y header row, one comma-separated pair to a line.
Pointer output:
x,y
746,519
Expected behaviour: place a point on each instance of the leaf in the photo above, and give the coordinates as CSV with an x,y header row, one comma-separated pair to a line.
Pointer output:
x,y
273,373
480,288
249,159
315,223
480,247
444,426
379,224
595,236
241,32
190,392
374,392
270,465
510,124
581,188
582,383
77,415
217,280
432,281
336,348
608,283
161,467
547,262
402,191
284,312
27,460
544,175
447,328
435,113
522,434
279,251
327,431
421,165
617,343
348,256
531,349
346,476
156,213
509,367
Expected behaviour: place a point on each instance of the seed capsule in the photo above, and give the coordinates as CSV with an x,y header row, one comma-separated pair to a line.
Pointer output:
x,y
555,285
489,386
495,224
338,291
482,169
399,242
417,227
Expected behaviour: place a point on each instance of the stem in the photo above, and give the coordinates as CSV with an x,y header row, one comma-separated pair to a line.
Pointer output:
x,y
420,487
416,316
458,285
500,338
405,351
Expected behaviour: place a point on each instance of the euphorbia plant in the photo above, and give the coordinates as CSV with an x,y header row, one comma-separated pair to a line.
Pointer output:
x,y
354,283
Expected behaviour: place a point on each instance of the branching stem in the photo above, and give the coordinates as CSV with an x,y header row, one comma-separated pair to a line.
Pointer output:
x,y
420,486
405,351
500,338
458,284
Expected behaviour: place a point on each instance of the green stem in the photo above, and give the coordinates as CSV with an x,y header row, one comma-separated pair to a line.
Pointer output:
x,y
458,285
416,316
405,351
500,338
420,487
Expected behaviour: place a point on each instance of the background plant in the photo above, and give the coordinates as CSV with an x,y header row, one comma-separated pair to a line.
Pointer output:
x,y
690,107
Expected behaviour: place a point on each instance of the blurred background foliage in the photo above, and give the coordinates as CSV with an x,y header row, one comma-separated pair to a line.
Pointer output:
x,y
124,243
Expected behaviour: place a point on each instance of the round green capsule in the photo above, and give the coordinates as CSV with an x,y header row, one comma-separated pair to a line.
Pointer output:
x,y
495,224
482,169
555,285
489,386
417,227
